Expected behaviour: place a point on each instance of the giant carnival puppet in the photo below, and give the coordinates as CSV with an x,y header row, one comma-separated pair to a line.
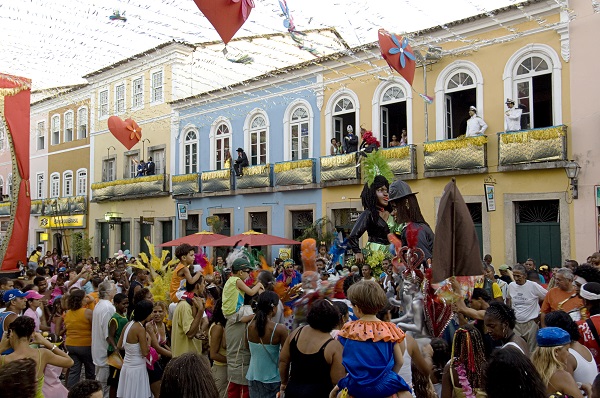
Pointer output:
x,y
14,120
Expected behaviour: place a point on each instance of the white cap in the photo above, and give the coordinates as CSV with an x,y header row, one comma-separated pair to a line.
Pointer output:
x,y
472,108
349,129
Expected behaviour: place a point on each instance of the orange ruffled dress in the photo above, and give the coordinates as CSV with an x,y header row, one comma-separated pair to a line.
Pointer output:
x,y
369,359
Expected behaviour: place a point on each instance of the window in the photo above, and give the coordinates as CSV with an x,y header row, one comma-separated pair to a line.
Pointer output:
x,y
222,143
67,183
131,163
54,185
157,87
344,115
2,136
533,88
39,185
137,95
109,170
82,123
9,181
393,115
258,141
120,99
41,135
103,103
69,126
158,157
190,150
81,182
299,136
55,130
2,186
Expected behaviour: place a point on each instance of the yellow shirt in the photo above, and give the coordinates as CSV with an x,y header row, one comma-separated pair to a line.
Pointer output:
x,y
496,291
182,322
233,298
79,328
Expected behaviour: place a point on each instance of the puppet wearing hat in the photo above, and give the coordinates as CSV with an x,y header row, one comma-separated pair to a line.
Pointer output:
x,y
512,116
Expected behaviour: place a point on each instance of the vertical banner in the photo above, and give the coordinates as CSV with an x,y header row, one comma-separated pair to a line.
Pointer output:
x,y
490,197
15,95
182,211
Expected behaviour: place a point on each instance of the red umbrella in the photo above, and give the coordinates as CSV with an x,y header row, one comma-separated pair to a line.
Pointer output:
x,y
253,238
197,239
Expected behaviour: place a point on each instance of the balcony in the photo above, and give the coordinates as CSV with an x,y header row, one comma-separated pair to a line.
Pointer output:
x,y
288,175
185,184
216,181
131,188
53,206
465,155
339,170
402,160
543,148
255,177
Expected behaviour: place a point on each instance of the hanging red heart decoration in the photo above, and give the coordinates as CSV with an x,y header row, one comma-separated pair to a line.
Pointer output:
x,y
398,54
126,131
226,16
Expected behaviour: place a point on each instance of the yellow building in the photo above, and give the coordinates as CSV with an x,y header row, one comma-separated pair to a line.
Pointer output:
x,y
473,62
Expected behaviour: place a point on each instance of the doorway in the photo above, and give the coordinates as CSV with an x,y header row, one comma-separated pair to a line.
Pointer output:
x,y
538,231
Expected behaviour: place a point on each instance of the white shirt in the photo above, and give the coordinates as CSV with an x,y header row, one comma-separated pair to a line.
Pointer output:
x,y
475,126
103,311
526,300
512,117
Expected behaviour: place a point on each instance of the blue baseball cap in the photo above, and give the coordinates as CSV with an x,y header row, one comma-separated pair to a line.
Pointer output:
x,y
552,337
12,294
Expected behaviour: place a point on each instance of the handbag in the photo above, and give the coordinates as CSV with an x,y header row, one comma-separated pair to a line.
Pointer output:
x,y
115,360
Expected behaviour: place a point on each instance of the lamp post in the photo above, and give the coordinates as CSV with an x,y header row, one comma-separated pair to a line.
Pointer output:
x,y
572,170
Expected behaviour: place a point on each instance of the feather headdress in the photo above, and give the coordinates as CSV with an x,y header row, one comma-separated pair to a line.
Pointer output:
x,y
376,165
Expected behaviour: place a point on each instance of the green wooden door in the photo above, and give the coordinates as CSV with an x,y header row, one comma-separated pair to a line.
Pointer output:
x,y
476,215
146,232
104,241
539,241
126,236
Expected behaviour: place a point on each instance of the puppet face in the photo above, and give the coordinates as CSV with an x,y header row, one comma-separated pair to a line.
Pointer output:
x,y
382,196
410,289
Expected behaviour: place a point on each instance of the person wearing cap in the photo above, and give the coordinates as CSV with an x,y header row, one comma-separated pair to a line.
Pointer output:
x,y
406,205
150,167
350,140
235,288
475,125
550,360
15,304
505,273
512,116
33,303
563,297
240,162
590,293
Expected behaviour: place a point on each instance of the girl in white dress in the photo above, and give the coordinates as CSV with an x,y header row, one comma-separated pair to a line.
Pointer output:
x,y
134,382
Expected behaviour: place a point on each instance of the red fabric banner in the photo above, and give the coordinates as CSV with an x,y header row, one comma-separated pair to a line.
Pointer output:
x,y
16,92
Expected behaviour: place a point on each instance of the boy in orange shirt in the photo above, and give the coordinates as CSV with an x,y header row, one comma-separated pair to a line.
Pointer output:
x,y
185,253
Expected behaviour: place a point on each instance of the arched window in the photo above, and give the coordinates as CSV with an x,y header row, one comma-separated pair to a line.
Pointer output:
x,y
222,145
344,115
82,123
299,133
258,140
54,185
67,183
393,115
69,116
458,87
190,152
81,182
532,77
55,126
9,183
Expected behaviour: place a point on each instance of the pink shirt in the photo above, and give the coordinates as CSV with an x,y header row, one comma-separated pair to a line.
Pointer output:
x,y
36,319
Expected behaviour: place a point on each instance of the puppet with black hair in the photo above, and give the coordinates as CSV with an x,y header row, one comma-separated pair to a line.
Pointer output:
x,y
376,219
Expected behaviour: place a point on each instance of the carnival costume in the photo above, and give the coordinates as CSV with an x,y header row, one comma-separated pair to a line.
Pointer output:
x,y
369,359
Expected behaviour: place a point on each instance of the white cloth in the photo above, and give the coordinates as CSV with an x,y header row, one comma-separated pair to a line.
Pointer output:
x,y
103,311
476,126
134,381
585,372
525,300
512,117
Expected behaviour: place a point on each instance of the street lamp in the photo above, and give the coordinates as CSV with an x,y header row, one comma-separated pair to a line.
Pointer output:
x,y
572,170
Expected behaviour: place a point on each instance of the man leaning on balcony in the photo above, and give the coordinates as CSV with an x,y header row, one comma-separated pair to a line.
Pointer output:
x,y
512,116
475,125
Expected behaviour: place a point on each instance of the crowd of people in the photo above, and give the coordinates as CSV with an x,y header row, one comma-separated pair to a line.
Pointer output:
x,y
95,329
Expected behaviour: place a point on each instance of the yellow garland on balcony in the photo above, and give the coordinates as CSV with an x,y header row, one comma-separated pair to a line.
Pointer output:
x,y
185,178
36,202
261,169
550,133
5,204
339,160
396,153
458,143
215,175
287,166
127,181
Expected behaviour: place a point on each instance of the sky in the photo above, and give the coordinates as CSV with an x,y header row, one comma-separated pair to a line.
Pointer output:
x,y
56,42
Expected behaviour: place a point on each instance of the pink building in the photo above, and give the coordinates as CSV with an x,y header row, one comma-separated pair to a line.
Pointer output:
x,y
584,31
